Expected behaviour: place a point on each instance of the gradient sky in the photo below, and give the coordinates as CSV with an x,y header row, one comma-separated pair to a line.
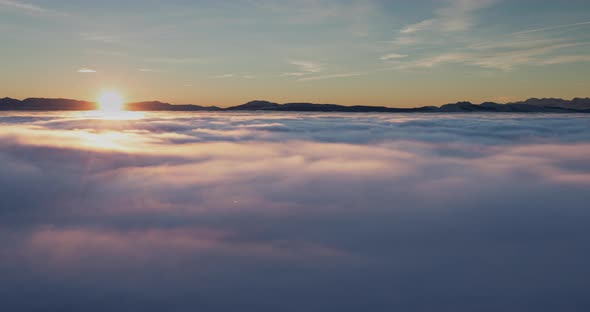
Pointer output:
x,y
373,52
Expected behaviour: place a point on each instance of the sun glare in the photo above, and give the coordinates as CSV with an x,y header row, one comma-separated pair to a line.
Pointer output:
x,y
110,101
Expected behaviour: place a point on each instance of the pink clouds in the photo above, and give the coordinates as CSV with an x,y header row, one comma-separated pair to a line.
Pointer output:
x,y
310,204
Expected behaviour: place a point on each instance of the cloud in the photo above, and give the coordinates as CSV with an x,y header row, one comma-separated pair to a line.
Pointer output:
x,y
214,211
404,41
506,55
534,56
429,62
566,59
530,31
331,76
226,76
86,71
393,56
444,34
30,8
305,67
457,15
450,36
417,27
294,74
236,75
312,71
130,36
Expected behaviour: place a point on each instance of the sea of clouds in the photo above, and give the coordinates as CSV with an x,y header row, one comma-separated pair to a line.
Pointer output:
x,y
294,212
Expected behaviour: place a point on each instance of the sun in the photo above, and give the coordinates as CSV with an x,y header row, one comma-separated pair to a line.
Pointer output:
x,y
110,101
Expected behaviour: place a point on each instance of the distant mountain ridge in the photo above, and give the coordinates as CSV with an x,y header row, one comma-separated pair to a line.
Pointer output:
x,y
159,106
40,104
533,105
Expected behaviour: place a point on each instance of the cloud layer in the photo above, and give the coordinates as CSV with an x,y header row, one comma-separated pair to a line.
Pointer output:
x,y
302,212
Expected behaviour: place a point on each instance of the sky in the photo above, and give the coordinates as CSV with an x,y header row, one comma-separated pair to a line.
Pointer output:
x,y
294,212
369,52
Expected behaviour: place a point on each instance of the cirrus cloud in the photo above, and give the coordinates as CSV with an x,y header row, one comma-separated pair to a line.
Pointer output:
x,y
86,71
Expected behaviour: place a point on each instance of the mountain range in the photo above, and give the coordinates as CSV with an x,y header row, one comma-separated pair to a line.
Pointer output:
x,y
534,105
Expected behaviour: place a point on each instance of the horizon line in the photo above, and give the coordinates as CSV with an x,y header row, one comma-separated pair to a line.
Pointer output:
x,y
298,102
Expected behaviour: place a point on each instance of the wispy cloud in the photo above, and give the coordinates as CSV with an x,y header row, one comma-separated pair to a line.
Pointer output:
x,y
410,29
30,8
433,61
566,59
535,56
86,71
457,15
506,61
551,28
506,44
331,76
450,37
236,75
312,71
128,36
225,76
294,74
404,41
393,56
307,66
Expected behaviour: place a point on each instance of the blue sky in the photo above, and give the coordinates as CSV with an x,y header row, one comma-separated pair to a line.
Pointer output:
x,y
393,53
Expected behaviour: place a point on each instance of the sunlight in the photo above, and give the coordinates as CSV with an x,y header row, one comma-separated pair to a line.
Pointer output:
x,y
110,101
110,115
104,141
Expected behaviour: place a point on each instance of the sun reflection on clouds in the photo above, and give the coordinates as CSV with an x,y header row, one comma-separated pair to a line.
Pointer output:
x,y
106,140
111,115
83,139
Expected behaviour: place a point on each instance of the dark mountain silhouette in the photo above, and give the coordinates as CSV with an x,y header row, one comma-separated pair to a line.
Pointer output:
x,y
256,105
36,104
311,107
529,106
460,107
159,106
577,105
